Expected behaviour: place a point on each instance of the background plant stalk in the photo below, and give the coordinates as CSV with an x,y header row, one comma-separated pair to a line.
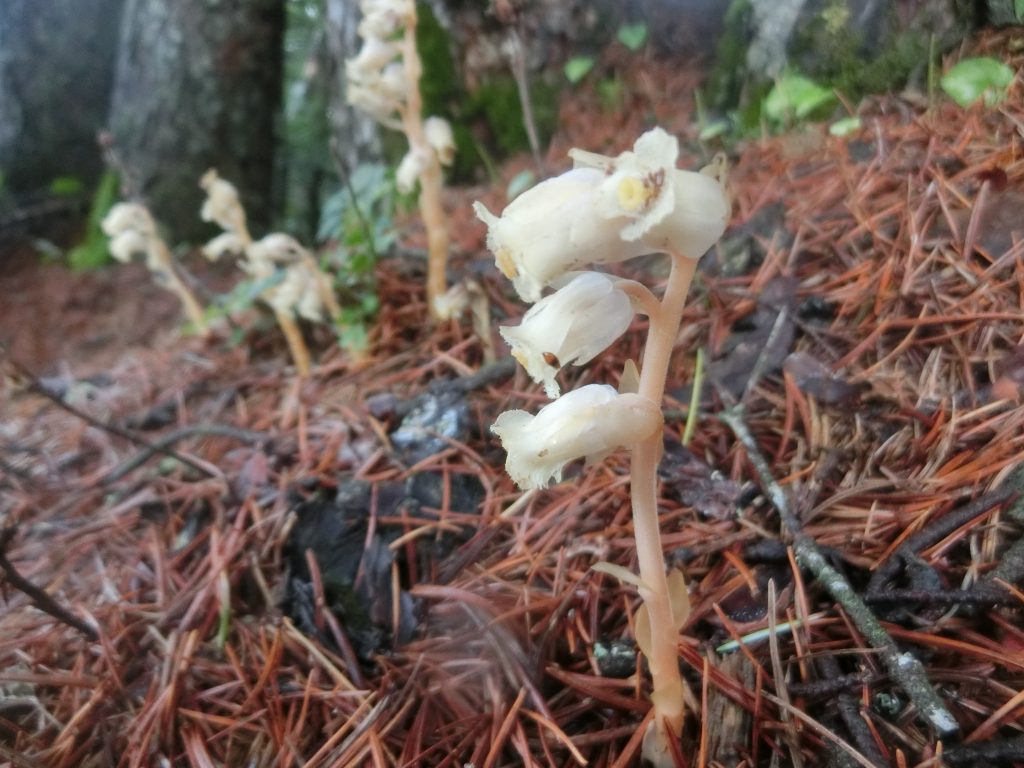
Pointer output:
x,y
434,219
664,656
176,286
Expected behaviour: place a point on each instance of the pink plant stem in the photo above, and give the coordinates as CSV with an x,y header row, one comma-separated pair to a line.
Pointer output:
x,y
664,655
431,180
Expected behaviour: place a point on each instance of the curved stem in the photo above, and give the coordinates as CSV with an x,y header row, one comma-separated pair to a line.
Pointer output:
x,y
663,658
164,264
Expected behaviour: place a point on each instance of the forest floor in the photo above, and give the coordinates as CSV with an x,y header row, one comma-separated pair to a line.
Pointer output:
x,y
261,571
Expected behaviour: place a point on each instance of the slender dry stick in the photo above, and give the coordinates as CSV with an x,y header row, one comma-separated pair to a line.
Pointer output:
x,y
664,655
431,209
40,598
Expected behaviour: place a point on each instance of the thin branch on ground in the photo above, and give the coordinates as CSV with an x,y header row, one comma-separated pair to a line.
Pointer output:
x,y
36,386
39,597
906,670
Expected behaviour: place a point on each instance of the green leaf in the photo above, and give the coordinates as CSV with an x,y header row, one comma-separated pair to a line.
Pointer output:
x,y
92,252
633,35
713,130
577,68
795,96
67,186
977,78
521,182
845,127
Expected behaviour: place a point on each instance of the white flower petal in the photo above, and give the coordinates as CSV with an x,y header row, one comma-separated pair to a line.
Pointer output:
x,y
409,170
588,422
572,325
552,229
438,133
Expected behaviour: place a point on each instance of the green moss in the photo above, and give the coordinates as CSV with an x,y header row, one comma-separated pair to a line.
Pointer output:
x,y
497,102
725,83
439,86
829,50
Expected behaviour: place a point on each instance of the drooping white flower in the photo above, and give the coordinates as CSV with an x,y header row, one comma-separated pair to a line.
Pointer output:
x,y
372,101
393,82
371,59
123,217
572,325
409,170
126,244
438,133
552,229
589,422
222,205
668,209
223,244
131,230
297,294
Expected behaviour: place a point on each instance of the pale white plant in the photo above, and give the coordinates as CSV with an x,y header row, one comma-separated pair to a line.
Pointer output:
x,y
607,210
132,230
305,290
384,82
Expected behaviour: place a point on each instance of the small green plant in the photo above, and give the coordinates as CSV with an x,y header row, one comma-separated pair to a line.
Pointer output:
x,y
795,98
978,78
92,252
577,68
633,36
358,220
845,126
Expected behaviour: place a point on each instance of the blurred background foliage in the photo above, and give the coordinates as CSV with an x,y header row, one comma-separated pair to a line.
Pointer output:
x,y
770,63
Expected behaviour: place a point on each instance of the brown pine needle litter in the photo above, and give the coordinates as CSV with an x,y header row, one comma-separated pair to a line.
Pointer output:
x,y
863,328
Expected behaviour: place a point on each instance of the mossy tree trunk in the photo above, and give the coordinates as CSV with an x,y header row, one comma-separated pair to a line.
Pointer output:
x,y
56,69
198,85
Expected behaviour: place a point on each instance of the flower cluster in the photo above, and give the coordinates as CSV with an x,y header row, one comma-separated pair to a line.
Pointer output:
x,y
132,230
383,83
304,289
604,210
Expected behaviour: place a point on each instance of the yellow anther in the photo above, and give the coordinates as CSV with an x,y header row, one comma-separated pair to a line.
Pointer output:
x,y
506,264
632,194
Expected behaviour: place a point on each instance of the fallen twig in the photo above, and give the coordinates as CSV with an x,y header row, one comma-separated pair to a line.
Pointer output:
x,y
34,385
903,668
165,442
39,597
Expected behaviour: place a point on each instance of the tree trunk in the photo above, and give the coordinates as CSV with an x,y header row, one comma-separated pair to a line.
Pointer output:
x,y
198,85
354,133
56,68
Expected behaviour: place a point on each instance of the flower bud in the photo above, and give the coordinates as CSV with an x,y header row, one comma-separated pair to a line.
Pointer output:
x,y
409,170
222,205
438,133
589,422
572,325
552,229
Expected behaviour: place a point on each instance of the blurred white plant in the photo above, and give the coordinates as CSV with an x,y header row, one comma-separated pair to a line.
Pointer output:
x,y
384,82
304,290
132,230
606,210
